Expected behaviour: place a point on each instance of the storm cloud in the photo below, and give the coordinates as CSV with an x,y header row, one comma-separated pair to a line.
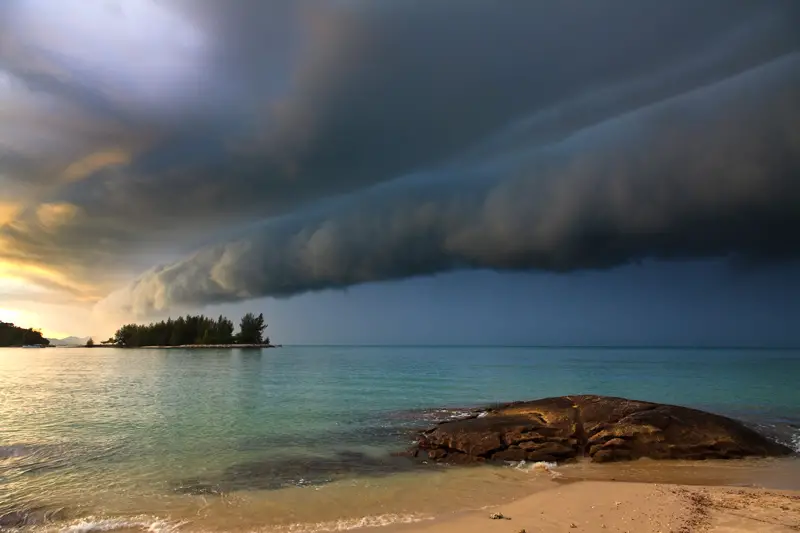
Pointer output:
x,y
305,145
710,173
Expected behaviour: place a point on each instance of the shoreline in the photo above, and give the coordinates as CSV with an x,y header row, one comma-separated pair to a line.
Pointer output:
x,y
612,506
203,346
641,497
182,347
301,441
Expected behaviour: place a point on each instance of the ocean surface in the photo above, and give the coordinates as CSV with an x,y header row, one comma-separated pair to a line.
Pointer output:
x,y
299,438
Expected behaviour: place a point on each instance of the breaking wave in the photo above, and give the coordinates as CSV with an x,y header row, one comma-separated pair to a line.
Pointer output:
x,y
786,432
348,524
92,524
539,466
413,418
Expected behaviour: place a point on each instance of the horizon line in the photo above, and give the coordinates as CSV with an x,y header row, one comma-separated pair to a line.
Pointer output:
x,y
557,346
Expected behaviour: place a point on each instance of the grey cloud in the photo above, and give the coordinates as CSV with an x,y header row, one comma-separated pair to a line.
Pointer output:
x,y
711,173
302,101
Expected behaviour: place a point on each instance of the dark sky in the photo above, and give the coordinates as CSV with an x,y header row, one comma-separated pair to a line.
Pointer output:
x,y
667,304
569,170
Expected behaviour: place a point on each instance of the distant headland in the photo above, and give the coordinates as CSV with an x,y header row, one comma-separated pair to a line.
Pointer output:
x,y
190,331
11,335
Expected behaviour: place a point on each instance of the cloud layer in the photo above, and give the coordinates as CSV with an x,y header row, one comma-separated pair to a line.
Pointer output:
x,y
301,145
713,172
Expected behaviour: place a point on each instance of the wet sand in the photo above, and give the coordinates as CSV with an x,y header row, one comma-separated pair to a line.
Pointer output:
x,y
639,496
643,497
607,506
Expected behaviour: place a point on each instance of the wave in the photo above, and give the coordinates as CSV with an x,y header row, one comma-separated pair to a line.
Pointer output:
x,y
347,524
783,432
93,524
25,458
429,416
538,466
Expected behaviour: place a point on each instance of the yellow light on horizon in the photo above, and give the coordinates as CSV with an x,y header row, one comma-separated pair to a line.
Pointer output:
x,y
29,277
29,319
10,315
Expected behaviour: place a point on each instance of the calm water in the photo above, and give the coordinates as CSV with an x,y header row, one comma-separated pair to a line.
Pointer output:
x,y
298,438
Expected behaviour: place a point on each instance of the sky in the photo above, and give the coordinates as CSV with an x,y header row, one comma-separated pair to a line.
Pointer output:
x,y
447,172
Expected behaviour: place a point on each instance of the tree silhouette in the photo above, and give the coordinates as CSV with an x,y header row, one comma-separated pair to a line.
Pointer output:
x,y
190,329
11,335
251,329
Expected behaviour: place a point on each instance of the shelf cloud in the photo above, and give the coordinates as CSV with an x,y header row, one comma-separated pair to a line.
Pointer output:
x,y
162,154
713,172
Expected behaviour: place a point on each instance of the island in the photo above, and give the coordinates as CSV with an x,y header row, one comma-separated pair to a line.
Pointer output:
x,y
14,336
193,331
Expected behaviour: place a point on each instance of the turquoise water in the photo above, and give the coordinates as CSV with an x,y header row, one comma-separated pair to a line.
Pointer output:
x,y
80,428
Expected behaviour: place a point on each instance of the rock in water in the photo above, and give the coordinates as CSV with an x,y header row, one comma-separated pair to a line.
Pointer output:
x,y
600,427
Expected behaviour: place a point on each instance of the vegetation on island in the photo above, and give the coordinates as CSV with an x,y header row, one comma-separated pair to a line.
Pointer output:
x,y
11,335
191,330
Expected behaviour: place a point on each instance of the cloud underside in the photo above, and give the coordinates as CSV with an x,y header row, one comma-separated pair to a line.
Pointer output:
x,y
259,148
713,172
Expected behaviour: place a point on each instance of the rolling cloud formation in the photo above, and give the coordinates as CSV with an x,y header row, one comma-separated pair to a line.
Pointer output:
x,y
713,172
273,148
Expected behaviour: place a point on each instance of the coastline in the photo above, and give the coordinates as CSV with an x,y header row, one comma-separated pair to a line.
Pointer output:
x,y
608,506
653,493
220,443
182,347
642,496
207,346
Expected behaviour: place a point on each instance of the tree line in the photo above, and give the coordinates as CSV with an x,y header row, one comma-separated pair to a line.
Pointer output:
x,y
198,329
11,335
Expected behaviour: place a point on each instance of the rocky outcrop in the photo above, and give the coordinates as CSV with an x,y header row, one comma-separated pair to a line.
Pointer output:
x,y
599,427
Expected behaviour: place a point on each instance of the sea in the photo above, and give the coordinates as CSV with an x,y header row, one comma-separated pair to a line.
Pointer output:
x,y
301,438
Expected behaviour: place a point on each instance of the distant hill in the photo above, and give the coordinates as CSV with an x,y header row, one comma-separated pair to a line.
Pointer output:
x,y
11,335
69,341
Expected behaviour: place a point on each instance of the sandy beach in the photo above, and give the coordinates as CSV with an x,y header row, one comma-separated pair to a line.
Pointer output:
x,y
607,506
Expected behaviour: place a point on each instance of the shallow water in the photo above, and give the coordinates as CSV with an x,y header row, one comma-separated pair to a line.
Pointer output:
x,y
298,438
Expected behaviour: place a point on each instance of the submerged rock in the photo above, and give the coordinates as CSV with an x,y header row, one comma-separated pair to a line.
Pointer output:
x,y
599,427
29,515
274,473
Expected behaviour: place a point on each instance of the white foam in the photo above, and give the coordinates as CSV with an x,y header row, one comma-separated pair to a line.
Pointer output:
x,y
347,524
539,466
795,444
450,414
144,523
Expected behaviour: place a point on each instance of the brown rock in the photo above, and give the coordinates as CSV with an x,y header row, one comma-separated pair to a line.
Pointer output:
x,y
603,428
437,453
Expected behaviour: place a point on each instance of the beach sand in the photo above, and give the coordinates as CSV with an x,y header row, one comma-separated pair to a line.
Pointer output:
x,y
608,506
